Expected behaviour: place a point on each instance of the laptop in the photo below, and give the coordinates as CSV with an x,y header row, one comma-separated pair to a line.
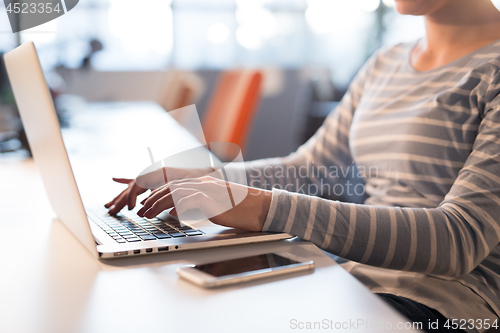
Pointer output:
x,y
103,235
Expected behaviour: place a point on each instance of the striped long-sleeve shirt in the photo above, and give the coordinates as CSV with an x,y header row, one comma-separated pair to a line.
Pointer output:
x,y
427,146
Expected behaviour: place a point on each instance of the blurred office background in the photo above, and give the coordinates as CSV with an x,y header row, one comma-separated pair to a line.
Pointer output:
x,y
307,50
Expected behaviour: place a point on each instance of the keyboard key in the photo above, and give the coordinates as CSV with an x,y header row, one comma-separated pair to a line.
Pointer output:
x,y
129,236
148,237
184,227
162,236
137,239
177,234
193,233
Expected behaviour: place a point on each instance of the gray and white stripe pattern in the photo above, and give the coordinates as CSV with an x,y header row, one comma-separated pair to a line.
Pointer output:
x,y
432,204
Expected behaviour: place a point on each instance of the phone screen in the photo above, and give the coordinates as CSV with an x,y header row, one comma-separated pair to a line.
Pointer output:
x,y
247,264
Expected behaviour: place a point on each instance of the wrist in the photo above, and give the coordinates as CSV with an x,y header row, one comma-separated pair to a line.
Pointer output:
x,y
260,201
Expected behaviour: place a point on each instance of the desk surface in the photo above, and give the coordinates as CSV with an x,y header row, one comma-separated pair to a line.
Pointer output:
x,y
50,283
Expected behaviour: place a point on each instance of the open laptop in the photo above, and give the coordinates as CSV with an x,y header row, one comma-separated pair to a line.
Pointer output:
x,y
105,236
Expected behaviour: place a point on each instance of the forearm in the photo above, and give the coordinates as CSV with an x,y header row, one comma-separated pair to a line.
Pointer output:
x,y
433,241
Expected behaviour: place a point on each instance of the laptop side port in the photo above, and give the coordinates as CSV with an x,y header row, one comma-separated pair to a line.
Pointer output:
x,y
137,251
165,248
122,253
149,250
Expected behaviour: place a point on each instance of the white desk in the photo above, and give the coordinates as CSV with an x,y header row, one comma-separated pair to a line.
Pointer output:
x,y
50,283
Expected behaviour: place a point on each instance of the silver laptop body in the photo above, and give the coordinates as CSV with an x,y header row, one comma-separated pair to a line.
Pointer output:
x,y
97,231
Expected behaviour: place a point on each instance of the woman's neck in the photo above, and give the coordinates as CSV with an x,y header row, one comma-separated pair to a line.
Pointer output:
x,y
455,31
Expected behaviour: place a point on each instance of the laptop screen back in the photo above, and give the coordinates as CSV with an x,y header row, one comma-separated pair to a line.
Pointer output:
x,y
44,135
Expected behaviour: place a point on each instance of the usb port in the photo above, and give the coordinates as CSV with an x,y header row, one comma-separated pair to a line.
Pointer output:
x,y
149,250
165,248
137,251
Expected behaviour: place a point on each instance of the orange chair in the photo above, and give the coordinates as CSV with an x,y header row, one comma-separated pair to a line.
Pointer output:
x,y
179,89
232,107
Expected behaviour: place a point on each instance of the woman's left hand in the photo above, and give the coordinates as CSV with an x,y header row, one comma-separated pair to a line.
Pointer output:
x,y
210,195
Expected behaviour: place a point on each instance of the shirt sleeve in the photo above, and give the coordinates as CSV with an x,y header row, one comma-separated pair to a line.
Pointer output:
x,y
449,240
322,162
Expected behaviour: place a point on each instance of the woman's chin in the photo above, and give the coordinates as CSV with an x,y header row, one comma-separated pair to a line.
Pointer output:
x,y
416,7
409,10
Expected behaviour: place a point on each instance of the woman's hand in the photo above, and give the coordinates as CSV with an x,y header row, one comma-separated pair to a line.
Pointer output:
x,y
141,184
210,195
126,197
136,187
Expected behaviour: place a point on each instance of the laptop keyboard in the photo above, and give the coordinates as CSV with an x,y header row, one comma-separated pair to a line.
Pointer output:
x,y
129,227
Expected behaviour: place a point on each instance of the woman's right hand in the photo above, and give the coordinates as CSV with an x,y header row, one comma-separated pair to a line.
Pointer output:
x,y
128,197
151,181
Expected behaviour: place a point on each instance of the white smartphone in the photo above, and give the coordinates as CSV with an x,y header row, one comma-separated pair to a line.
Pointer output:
x,y
244,269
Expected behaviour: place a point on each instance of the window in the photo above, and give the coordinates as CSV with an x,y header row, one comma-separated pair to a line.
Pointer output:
x,y
216,34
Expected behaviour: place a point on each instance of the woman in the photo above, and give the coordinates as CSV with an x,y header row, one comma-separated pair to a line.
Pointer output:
x,y
426,117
